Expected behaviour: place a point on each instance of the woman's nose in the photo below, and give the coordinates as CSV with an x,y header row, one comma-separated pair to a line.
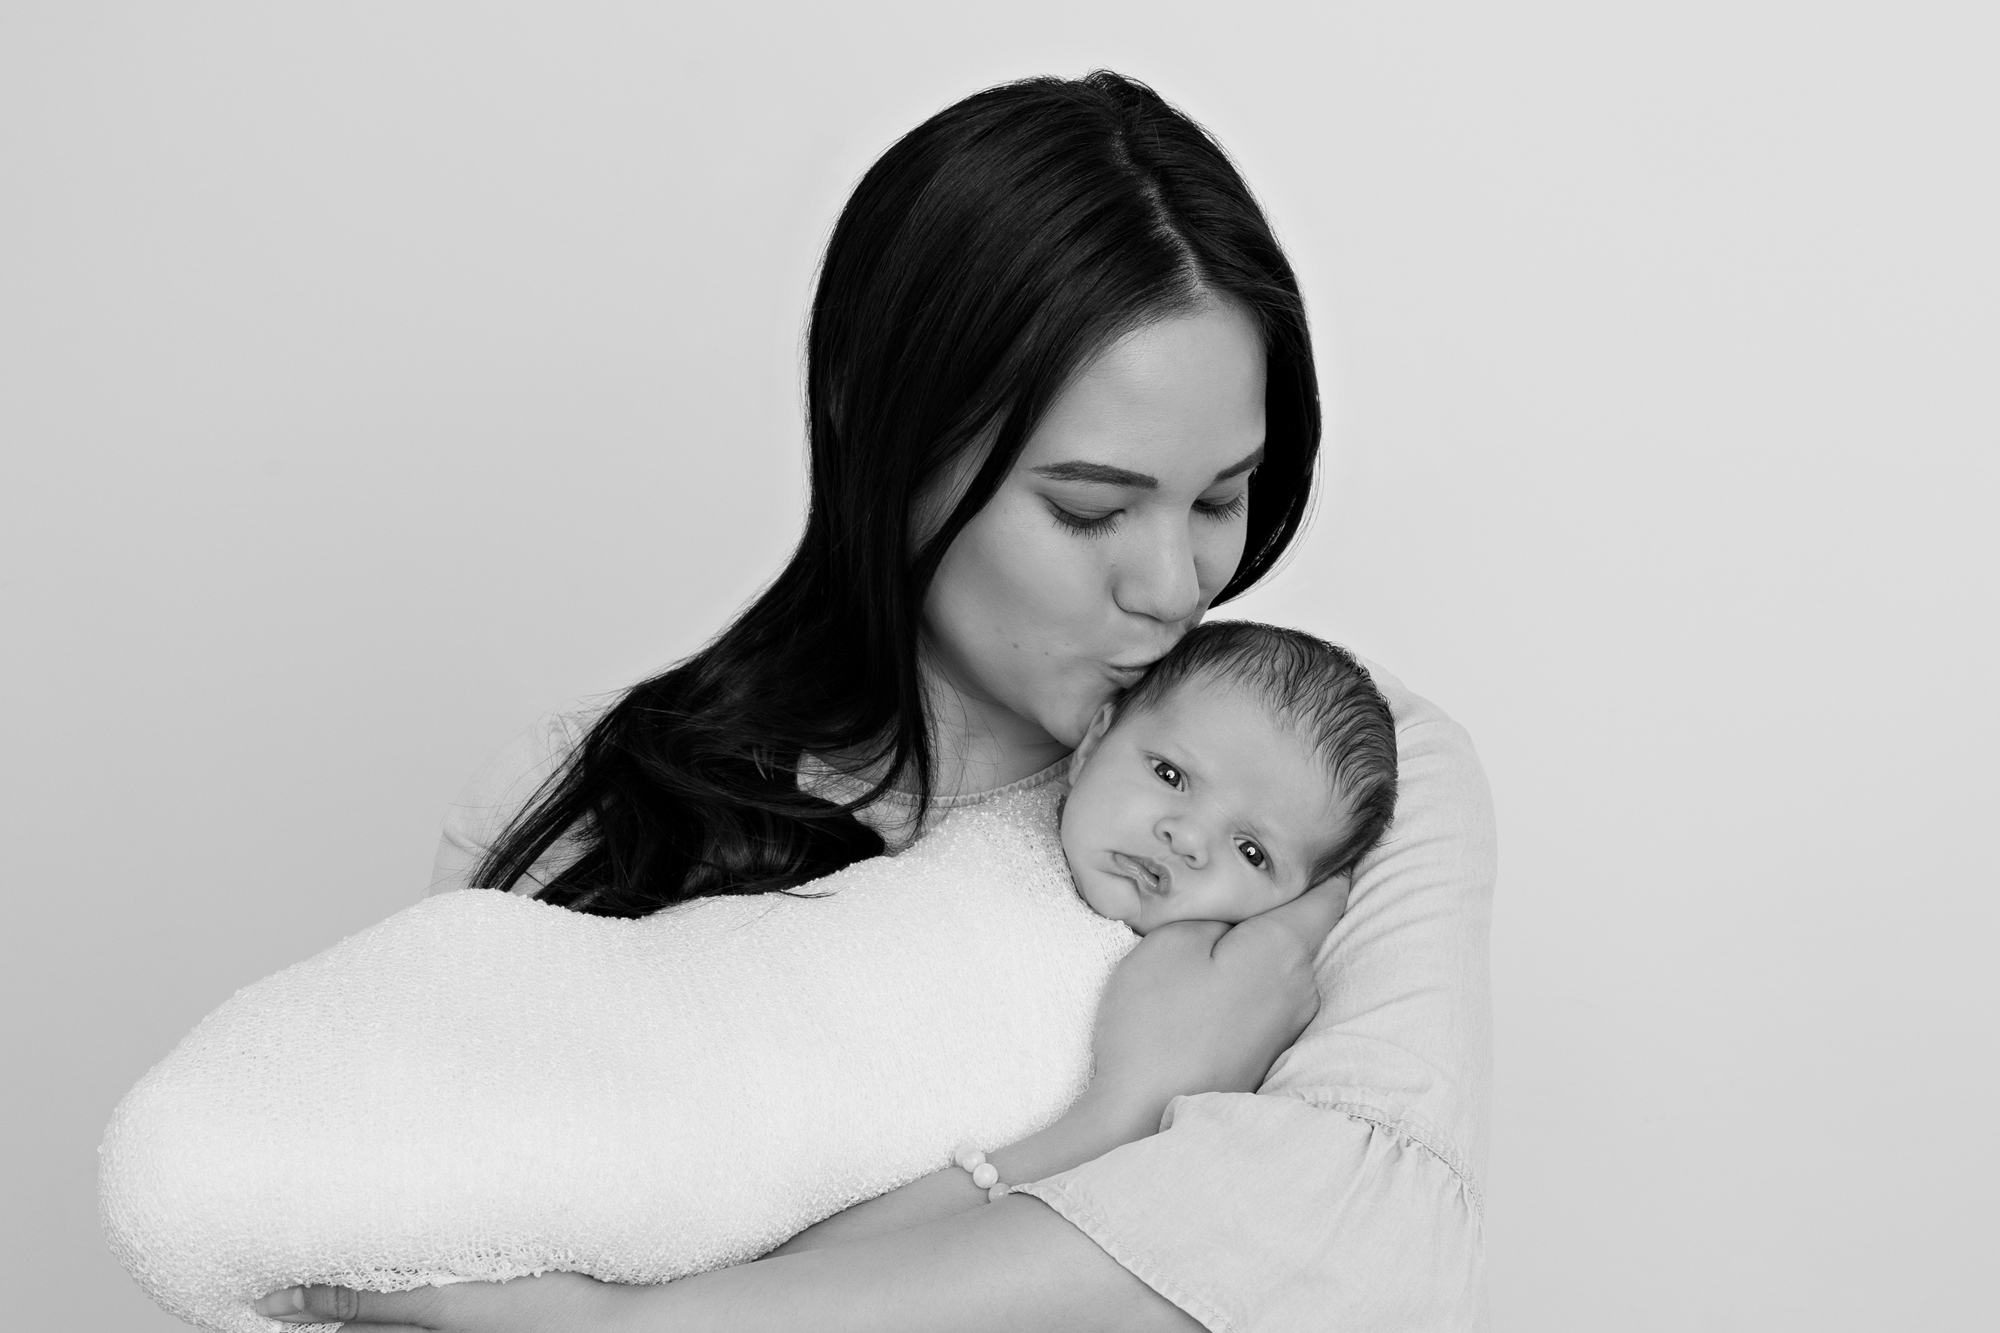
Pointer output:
x,y
1157,575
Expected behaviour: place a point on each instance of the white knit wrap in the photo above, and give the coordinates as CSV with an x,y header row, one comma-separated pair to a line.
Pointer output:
x,y
485,1086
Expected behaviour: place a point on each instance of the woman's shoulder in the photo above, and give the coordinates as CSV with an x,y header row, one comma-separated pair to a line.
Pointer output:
x,y
1433,871
1435,755
519,767
500,787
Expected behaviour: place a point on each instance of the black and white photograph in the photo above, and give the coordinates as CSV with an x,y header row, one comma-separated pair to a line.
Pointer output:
x,y
1033,668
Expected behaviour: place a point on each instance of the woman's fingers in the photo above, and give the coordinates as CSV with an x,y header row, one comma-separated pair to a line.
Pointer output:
x,y
523,1305
378,1310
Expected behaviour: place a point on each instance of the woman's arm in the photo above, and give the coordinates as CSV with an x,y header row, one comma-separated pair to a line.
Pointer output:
x,y
1088,1130
1000,1268
992,1268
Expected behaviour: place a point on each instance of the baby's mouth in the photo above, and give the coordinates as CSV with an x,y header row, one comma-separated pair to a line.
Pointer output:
x,y
1149,875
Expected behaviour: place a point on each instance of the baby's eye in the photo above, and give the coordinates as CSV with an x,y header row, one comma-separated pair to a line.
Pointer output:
x,y
1252,853
1167,773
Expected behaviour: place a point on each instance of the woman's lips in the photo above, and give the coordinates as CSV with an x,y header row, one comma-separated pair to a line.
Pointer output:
x,y
1149,875
1139,663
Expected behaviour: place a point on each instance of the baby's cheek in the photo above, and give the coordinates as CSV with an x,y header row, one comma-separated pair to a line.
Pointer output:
x,y
1228,903
1112,898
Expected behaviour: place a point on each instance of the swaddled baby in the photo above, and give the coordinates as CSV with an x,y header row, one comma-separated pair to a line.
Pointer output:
x,y
486,1086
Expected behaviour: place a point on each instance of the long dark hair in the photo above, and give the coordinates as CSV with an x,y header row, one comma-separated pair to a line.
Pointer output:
x,y
978,265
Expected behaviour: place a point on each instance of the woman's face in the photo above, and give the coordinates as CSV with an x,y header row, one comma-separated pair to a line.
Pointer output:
x,y
1122,519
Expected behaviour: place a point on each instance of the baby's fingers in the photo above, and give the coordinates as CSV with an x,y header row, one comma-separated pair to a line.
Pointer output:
x,y
1301,924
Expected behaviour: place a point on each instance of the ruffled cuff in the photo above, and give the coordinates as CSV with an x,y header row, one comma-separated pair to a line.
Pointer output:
x,y
1257,1212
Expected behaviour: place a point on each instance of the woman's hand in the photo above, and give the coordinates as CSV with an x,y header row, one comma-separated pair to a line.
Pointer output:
x,y
551,1303
1200,1006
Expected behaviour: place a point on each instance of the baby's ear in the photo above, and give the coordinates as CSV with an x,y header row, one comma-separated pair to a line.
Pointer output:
x,y
1086,747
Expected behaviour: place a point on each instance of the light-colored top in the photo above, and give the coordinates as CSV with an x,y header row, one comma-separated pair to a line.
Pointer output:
x,y
1344,1195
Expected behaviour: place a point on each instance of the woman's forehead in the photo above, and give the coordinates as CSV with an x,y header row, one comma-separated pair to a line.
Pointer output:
x,y
1177,401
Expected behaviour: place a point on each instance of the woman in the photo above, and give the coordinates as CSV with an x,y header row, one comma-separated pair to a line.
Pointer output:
x,y
1061,403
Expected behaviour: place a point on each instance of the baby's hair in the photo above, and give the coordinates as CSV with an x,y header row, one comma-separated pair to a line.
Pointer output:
x,y
1317,687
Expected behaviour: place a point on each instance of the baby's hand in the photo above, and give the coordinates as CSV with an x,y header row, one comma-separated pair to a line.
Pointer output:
x,y
1201,1006
1304,923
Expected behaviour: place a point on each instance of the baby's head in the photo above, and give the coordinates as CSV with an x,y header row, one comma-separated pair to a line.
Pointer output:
x,y
1250,764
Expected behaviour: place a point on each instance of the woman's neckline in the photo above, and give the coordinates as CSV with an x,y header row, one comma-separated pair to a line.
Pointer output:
x,y
818,776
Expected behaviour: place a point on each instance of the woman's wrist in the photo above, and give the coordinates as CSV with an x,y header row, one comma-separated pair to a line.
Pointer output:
x,y
1088,1130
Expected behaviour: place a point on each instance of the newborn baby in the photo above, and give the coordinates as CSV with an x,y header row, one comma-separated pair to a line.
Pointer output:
x,y
1250,764
486,1086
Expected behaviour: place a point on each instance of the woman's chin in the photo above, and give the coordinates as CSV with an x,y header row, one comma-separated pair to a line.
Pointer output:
x,y
1068,724
1066,730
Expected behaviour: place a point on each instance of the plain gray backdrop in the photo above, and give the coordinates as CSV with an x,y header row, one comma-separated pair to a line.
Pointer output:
x,y
379,376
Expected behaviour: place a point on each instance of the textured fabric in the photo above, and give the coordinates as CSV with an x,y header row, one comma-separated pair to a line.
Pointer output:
x,y
893,814
1345,1194
485,1086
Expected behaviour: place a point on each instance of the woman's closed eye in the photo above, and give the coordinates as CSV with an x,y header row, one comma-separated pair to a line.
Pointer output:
x,y
1090,525
1103,523
1225,509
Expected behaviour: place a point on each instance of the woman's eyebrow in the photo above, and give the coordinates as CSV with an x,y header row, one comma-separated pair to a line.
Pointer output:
x,y
1102,473
1252,459
1106,475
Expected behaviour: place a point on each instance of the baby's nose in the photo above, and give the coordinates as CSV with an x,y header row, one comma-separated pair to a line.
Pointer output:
x,y
1184,841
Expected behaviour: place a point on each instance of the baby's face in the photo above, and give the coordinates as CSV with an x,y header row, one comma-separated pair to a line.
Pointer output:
x,y
1201,807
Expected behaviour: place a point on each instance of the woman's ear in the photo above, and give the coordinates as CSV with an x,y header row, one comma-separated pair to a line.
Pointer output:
x,y
1107,712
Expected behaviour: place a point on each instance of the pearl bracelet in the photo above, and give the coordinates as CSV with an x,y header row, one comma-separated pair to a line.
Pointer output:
x,y
984,1173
